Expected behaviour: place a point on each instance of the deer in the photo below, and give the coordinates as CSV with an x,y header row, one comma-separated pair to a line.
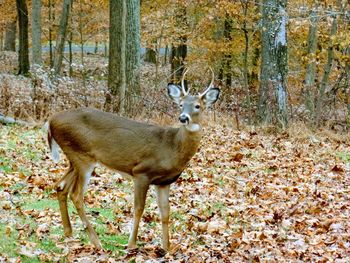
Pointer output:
x,y
149,154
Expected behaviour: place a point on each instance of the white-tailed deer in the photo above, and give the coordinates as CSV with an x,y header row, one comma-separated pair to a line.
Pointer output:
x,y
151,154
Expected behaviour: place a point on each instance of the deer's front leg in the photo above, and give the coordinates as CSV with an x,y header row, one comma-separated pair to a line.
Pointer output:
x,y
164,208
141,185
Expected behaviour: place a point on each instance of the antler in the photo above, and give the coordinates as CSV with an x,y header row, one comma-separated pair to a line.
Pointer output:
x,y
183,83
211,85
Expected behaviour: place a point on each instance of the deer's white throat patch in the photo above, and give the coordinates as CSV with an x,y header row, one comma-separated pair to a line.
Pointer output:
x,y
193,127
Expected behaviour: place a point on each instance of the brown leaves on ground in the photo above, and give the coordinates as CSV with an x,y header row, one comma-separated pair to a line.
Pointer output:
x,y
246,196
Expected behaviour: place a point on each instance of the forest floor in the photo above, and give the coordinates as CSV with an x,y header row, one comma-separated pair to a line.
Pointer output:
x,y
247,196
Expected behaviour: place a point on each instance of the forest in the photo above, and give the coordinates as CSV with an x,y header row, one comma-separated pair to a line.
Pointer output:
x,y
259,91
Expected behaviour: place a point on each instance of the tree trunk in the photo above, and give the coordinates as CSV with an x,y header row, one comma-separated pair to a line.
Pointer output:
x,y
117,60
179,51
178,56
96,47
81,33
36,31
347,83
10,36
166,55
225,74
51,18
105,48
327,71
245,60
132,55
272,106
61,37
311,49
253,76
311,63
70,44
70,50
1,40
23,57
151,55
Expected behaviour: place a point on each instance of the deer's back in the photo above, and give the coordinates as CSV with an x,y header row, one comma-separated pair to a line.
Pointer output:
x,y
114,141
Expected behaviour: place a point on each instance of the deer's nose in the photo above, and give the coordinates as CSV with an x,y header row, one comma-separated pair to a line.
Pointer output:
x,y
184,118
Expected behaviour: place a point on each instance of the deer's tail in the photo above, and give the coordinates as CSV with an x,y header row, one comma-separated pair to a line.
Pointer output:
x,y
54,147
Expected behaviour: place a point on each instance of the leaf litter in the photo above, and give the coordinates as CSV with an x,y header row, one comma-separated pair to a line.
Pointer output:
x,y
245,196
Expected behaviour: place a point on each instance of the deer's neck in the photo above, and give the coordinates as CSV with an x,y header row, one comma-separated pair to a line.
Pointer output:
x,y
188,142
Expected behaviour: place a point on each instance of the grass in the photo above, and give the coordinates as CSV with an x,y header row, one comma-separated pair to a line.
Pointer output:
x,y
344,156
23,233
13,235
41,205
8,242
21,145
21,230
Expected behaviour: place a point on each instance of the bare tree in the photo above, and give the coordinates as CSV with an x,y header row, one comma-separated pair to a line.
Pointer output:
x,y
36,31
327,71
151,55
245,7
23,57
10,36
51,4
179,49
273,104
117,63
132,55
311,64
124,31
61,37
225,74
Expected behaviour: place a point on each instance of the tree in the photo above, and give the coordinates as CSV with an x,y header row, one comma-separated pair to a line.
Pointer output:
x,y
61,37
311,62
132,55
10,36
23,57
244,28
272,106
117,63
124,31
51,18
150,55
327,71
8,24
179,48
36,31
225,69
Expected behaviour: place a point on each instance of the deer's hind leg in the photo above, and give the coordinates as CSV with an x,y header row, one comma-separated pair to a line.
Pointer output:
x,y
63,188
84,171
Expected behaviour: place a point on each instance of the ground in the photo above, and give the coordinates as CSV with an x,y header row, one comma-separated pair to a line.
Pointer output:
x,y
246,196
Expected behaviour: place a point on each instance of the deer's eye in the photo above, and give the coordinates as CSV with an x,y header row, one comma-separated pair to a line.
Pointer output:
x,y
180,105
197,107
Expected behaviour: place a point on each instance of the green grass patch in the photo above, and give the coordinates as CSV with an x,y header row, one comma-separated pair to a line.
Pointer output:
x,y
344,156
98,217
8,244
114,242
42,204
13,236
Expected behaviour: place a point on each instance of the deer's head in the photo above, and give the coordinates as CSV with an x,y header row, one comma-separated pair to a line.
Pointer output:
x,y
192,106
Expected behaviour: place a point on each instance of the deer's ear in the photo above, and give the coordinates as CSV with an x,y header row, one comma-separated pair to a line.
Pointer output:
x,y
174,92
211,96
